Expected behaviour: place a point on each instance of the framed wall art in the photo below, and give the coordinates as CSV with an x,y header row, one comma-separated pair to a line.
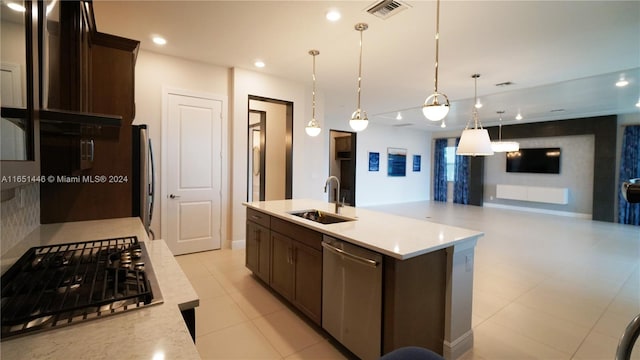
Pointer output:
x,y
416,163
397,162
374,161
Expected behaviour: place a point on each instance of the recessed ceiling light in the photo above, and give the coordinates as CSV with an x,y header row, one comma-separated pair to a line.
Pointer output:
x,y
638,103
399,116
259,64
519,116
333,15
478,104
159,40
16,7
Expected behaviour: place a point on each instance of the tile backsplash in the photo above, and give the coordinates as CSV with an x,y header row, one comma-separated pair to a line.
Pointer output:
x,y
20,214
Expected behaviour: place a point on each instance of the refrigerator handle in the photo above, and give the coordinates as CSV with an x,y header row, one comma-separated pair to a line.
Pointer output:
x,y
152,185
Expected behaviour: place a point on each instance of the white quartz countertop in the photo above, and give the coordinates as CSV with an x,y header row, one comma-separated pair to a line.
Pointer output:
x,y
396,236
154,332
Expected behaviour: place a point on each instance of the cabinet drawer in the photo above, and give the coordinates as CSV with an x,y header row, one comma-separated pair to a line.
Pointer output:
x,y
299,233
258,217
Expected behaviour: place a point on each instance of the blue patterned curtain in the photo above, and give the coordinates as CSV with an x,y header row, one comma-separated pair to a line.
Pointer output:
x,y
461,185
629,169
440,171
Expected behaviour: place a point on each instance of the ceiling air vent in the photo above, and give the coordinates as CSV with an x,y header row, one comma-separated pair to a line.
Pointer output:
x,y
386,8
402,125
506,83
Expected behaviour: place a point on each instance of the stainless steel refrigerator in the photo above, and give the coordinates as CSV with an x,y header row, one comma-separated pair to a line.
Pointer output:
x,y
143,176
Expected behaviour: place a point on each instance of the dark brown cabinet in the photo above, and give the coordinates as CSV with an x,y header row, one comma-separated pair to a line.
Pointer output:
x,y
282,268
296,273
86,73
293,260
307,287
258,245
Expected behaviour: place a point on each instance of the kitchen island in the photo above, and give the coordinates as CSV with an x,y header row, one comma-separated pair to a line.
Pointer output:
x,y
154,332
427,268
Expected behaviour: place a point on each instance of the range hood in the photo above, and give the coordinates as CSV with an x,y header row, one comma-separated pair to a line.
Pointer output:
x,y
77,123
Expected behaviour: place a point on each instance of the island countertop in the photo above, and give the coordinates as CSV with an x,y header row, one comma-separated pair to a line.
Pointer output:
x,y
157,331
396,236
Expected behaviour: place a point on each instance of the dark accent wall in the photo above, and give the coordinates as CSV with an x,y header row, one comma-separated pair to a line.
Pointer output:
x,y
476,180
604,172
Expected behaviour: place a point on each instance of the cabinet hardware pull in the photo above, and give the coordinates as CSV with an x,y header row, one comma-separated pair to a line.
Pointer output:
x,y
91,150
172,196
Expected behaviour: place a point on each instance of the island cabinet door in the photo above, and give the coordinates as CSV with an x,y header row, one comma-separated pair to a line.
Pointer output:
x,y
258,251
282,270
308,281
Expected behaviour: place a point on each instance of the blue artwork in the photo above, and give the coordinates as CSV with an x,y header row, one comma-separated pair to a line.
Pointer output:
x,y
416,162
374,161
397,163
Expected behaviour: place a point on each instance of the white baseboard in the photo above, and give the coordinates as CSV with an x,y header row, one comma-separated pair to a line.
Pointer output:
x,y
536,210
238,244
457,348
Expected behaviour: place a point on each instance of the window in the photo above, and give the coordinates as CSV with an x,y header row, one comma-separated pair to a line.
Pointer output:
x,y
450,155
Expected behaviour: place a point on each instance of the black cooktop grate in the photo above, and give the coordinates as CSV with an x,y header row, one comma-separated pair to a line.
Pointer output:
x,y
60,284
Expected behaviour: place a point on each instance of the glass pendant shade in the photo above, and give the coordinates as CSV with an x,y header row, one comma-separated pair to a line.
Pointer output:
x,y
359,120
313,129
474,142
433,109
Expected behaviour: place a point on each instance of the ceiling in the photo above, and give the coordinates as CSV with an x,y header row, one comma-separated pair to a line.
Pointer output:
x,y
563,57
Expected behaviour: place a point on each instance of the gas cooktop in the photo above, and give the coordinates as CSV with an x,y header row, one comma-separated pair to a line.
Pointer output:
x,y
59,285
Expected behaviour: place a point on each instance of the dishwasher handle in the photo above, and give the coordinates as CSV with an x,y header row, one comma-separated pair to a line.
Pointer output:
x,y
360,259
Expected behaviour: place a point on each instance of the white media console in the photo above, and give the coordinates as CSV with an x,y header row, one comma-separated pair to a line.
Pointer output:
x,y
540,194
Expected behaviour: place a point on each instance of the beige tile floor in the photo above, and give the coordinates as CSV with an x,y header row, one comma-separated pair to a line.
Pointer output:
x,y
545,287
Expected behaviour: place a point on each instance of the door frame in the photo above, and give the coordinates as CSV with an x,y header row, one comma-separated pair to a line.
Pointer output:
x,y
263,138
288,193
224,161
354,139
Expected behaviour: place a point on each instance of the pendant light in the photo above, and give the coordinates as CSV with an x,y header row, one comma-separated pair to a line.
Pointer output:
x,y
313,128
433,109
359,120
503,146
474,141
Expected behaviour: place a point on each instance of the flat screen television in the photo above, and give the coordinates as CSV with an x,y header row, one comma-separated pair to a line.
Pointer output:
x,y
538,160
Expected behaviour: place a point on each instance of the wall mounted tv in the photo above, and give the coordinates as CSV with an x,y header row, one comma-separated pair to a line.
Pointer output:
x,y
538,160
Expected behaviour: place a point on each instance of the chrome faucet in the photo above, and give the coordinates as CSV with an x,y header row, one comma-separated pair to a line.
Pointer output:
x,y
337,199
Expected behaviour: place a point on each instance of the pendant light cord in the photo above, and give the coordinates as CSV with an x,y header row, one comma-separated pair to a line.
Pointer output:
x,y
313,93
475,99
435,86
359,68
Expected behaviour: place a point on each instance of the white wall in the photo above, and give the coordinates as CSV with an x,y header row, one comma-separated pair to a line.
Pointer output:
x,y
377,188
155,71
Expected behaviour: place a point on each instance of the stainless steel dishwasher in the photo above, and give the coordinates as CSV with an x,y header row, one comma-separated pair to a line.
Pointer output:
x,y
352,296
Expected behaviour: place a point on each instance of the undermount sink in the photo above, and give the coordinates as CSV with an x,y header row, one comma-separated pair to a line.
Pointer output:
x,y
321,217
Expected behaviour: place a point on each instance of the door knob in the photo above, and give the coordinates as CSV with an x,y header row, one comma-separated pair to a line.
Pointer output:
x,y
174,196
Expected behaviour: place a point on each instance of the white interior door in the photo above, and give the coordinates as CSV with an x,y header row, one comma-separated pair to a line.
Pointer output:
x,y
193,174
